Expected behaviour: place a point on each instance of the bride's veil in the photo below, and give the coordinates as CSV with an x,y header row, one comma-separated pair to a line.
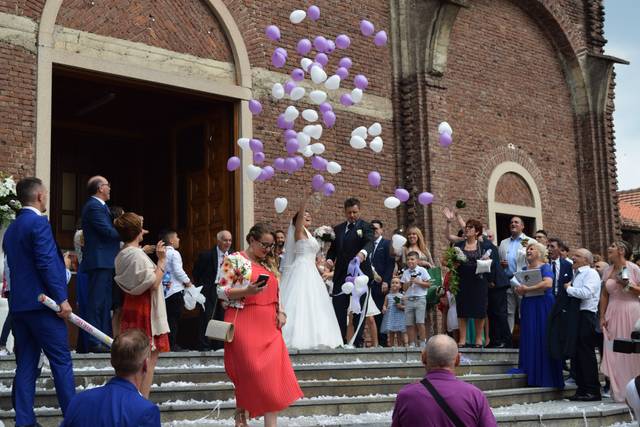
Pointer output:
x,y
289,249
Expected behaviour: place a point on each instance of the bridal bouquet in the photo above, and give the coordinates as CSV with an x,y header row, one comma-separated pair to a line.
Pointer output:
x,y
454,256
324,233
9,203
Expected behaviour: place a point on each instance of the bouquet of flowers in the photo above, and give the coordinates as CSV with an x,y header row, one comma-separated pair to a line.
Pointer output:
x,y
324,233
454,256
9,203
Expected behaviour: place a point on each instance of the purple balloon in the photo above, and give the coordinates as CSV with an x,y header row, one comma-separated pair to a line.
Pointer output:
x,y
289,86
233,163
297,74
445,140
380,39
273,32
318,163
374,179
283,124
329,118
331,46
322,59
349,279
304,46
292,146
320,43
258,158
425,198
342,72
346,100
255,107
277,60
289,133
290,164
313,13
345,62
360,81
328,189
264,175
282,51
402,194
299,162
278,164
325,106
270,171
317,181
343,41
366,28
256,145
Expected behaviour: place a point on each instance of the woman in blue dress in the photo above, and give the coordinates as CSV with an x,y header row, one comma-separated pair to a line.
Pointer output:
x,y
534,358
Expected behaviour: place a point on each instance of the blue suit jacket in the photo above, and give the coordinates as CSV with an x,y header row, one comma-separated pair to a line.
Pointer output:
x,y
35,263
565,276
101,240
382,261
117,403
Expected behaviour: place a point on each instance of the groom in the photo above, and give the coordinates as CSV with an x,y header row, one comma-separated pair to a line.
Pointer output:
x,y
354,237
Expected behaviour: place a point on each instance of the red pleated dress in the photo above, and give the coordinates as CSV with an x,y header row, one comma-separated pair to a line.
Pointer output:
x,y
257,360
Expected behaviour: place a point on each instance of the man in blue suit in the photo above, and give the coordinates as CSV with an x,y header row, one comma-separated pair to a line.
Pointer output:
x,y
101,245
382,264
37,267
562,269
118,403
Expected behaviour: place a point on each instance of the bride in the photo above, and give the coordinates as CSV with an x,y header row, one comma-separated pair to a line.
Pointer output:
x,y
311,320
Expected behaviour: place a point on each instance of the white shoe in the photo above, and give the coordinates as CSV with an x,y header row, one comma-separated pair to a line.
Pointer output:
x,y
4,352
570,381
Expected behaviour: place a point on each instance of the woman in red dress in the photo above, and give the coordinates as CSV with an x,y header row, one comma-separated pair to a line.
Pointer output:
x,y
140,279
257,360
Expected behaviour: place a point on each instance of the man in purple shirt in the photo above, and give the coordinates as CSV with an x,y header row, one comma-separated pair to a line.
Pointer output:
x,y
416,406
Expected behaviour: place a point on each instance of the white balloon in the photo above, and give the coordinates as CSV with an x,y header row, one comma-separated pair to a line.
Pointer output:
x,y
360,131
347,288
297,93
332,82
307,152
318,75
398,241
303,139
318,96
376,144
253,172
304,63
356,95
244,143
357,142
277,91
310,115
391,202
280,204
333,168
291,113
361,283
375,129
314,131
317,148
444,127
297,16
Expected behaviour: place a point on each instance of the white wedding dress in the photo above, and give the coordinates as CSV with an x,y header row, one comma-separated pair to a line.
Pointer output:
x,y
311,320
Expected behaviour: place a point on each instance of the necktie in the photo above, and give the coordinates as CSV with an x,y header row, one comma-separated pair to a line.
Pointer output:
x,y
374,249
555,277
349,227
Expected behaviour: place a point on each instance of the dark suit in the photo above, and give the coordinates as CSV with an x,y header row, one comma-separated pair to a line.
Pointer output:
x,y
101,245
564,317
383,263
342,250
205,271
499,332
36,267
117,403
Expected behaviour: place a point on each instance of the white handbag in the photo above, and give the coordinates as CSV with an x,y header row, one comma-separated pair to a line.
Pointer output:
x,y
219,330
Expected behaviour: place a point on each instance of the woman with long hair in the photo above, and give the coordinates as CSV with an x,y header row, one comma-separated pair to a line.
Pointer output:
x,y
416,243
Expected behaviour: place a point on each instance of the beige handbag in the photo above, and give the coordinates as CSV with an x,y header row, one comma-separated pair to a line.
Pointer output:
x,y
219,330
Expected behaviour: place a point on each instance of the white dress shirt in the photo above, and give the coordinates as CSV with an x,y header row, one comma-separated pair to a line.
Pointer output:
x,y
586,287
31,208
174,267
221,256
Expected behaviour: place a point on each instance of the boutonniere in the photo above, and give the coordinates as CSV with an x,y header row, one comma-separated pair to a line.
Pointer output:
x,y
524,242
359,232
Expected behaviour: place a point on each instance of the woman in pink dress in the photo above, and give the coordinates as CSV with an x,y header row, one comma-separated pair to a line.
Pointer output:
x,y
619,311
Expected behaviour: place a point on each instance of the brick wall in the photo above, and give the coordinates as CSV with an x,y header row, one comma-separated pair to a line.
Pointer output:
x,y
28,8
511,188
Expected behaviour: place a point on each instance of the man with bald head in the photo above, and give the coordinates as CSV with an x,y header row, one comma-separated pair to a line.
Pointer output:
x,y
440,399
101,245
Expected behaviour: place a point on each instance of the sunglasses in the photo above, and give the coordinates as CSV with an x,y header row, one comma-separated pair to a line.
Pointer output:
x,y
266,245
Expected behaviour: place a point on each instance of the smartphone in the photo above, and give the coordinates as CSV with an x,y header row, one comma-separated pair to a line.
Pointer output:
x,y
262,280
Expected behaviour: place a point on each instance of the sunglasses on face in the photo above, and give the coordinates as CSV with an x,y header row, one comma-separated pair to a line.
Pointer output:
x,y
266,245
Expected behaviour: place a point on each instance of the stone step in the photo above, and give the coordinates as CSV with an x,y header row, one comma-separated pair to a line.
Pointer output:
x,y
312,388
341,355
176,410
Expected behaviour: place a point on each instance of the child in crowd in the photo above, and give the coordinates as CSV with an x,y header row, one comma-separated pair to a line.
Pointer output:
x,y
174,283
415,280
393,323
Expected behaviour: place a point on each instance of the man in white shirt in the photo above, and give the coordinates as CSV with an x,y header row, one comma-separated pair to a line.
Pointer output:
x,y
586,288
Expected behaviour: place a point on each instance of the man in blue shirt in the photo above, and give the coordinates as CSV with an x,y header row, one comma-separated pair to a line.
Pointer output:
x,y
118,403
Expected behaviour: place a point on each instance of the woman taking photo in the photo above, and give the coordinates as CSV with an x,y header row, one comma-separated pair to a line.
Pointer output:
x,y
143,307
619,311
256,360
534,358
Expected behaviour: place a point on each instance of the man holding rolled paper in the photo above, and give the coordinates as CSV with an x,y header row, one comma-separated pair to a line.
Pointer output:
x,y
37,267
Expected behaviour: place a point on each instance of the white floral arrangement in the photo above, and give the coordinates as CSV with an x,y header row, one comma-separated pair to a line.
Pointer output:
x,y
460,256
9,203
324,233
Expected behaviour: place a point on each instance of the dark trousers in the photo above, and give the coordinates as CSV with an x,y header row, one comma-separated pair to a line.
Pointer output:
x,y
499,332
586,365
36,331
6,328
174,304
378,298
359,340
207,314
340,307
100,284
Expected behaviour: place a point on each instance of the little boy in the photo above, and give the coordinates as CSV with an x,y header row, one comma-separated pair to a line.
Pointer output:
x,y
415,280
174,288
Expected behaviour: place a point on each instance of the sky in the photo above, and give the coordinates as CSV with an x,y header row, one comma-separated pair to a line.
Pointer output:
x,y
622,31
